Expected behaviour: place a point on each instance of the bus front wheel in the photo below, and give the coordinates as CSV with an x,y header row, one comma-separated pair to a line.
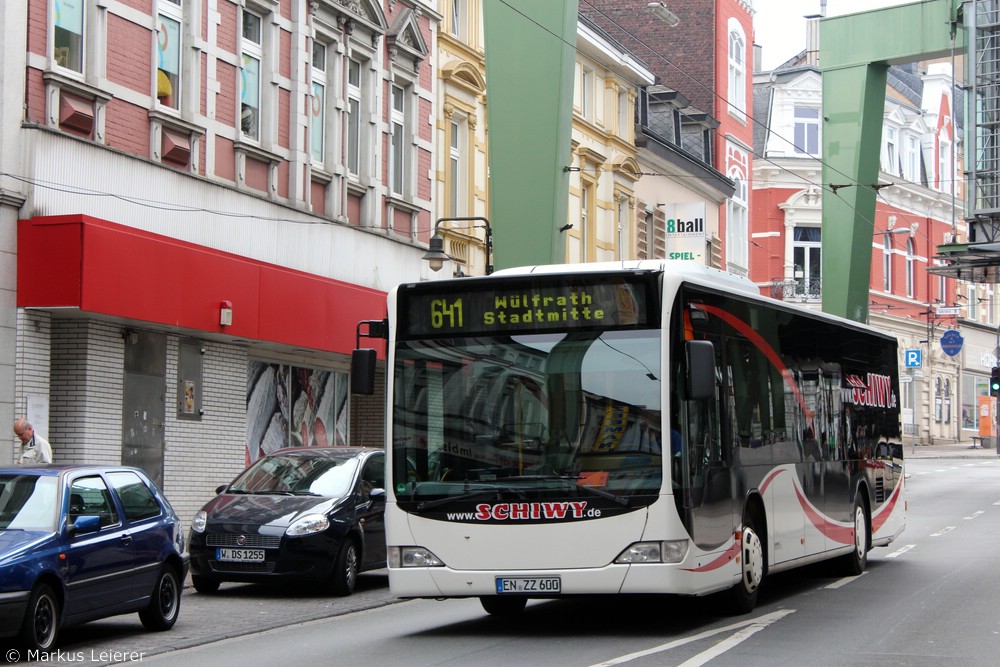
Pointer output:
x,y
744,594
497,605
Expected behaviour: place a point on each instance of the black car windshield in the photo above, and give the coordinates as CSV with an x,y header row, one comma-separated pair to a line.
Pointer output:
x,y
299,473
28,502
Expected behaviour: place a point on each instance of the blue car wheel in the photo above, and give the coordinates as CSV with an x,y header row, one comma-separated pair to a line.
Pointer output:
x,y
41,620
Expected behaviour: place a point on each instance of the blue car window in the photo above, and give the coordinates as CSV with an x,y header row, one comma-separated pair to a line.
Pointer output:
x,y
28,502
94,499
137,500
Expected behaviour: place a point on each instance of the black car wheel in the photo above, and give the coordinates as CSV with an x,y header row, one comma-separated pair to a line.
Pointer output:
x,y
164,603
41,620
345,570
204,584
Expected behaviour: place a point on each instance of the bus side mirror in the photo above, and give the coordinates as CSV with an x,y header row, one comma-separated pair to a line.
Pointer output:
x,y
363,371
700,369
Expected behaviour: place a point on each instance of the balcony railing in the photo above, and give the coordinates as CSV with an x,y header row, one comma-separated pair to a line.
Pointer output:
x,y
798,289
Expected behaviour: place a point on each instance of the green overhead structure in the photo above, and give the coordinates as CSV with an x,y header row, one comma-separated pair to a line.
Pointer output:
x,y
856,51
530,58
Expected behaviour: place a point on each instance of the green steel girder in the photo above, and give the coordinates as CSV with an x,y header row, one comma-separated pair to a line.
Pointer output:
x,y
530,58
856,51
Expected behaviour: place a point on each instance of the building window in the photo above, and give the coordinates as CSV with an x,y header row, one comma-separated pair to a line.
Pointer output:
x,y
586,218
972,388
946,175
456,167
70,26
624,241
624,115
807,130
912,161
168,53
973,303
354,117
911,261
397,161
458,18
736,224
737,71
947,401
317,115
807,253
252,47
587,94
891,161
942,283
887,263
295,406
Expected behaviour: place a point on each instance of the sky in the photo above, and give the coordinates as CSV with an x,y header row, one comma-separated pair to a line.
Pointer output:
x,y
780,26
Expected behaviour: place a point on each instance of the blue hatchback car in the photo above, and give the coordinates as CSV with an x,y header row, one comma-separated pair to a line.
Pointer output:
x,y
79,543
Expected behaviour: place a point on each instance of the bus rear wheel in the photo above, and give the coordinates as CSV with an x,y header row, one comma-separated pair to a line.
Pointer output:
x,y
856,561
497,605
744,594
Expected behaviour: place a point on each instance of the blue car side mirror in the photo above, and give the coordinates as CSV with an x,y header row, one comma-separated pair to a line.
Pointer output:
x,y
88,523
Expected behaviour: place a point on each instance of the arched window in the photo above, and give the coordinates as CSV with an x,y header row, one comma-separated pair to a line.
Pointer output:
x,y
737,89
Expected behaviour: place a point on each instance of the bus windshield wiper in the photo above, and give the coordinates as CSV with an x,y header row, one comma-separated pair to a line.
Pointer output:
x,y
485,491
621,500
478,493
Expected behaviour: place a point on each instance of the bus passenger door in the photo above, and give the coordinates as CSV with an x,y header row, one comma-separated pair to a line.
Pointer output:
x,y
706,468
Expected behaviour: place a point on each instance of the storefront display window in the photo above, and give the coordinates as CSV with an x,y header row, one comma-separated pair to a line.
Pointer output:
x,y
972,388
292,406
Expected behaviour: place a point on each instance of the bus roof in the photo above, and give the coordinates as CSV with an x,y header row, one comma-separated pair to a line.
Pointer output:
x,y
683,270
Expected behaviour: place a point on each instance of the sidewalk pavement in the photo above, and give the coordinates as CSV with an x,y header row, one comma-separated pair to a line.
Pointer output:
x,y
956,450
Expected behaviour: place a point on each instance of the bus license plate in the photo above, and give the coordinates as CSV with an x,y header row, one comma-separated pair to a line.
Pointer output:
x,y
528,585
239,555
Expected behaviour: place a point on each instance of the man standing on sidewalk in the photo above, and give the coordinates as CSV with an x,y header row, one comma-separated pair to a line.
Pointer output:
x,y
34,448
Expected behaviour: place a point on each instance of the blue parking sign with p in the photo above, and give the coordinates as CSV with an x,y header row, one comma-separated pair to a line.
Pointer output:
x,y
912,358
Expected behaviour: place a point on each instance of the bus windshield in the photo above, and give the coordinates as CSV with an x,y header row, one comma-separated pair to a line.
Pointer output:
x,y
529,416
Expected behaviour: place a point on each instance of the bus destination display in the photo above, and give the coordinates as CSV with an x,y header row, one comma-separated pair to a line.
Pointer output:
x,y
490,307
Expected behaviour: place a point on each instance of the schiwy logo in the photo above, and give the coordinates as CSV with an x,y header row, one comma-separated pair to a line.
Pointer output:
x,y
873,391
532,511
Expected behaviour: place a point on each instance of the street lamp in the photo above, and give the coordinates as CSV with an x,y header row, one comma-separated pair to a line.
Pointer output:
x,y
660,11
436,256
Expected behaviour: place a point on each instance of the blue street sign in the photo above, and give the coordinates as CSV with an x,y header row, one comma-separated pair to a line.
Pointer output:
x,y
951,342
913,358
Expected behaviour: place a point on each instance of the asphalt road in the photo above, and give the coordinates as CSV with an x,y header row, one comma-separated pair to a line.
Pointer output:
x,y
941,494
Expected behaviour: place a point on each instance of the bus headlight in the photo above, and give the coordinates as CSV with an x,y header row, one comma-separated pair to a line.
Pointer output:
x,y
671,551
412,557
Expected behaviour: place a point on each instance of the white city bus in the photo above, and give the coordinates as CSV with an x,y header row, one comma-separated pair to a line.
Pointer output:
x,y
639,427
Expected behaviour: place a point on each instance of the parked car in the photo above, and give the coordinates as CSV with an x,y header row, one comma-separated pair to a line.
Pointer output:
x,y
79,543
302,513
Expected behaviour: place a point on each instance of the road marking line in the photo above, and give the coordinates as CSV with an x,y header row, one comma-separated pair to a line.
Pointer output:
x,y
974,515
946,529
900,552
845,581
744,630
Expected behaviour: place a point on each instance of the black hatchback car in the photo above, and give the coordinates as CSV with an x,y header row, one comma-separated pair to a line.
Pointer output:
x,y
304,513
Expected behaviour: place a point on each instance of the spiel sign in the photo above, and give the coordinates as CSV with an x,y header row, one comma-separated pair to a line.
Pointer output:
x,y
685,231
